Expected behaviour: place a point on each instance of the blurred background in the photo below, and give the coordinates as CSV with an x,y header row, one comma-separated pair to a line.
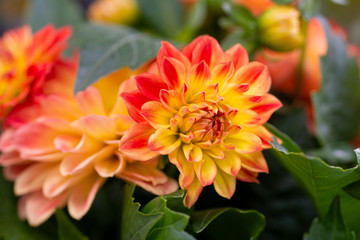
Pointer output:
x,y
345,12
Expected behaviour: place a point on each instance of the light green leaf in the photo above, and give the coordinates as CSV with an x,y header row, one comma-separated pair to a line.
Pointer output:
x,y
332,227
57,12
135,225
66,229
337,104
320,181
229,223
173,223
164,16
240,15
104,49
11,227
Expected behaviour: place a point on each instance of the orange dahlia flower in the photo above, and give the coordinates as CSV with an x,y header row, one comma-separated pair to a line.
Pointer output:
x,y
255,6
204,108
64,147
25,60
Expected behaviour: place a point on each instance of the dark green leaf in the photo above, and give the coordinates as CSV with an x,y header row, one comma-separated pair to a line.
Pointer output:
x,y
337,104
229,223
66,229
321,181
353,189
135,224
11,228
57,12
164,16
338,154
332,227
104,49
309,8
172,224
238,36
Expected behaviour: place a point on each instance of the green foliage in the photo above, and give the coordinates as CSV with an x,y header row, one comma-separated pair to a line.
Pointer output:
x,y
66,229
57,12
105,48
164,16
11,227
135,224
320,181
337,104
309,8
332,227
283,1
229,223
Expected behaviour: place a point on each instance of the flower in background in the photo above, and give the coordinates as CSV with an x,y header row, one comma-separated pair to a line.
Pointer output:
x,y
255,6
25,60
64,153
280,28
114,11
204,108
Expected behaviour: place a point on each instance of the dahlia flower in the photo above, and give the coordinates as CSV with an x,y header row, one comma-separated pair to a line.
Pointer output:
x,y
25,59
255,6
62,148
204,108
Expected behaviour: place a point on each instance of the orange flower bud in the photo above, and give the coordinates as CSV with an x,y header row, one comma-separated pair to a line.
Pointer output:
x,y
280,28
114,11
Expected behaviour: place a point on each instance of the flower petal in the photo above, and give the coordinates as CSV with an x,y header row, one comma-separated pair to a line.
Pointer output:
x,y
156,114
164,141
192,193
231,164
134,142
206,170
150,85
83,195
238,55
110,166
225,184
174,73
90,102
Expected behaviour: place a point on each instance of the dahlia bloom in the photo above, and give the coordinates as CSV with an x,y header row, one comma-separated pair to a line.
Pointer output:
x,y
62,148
204,108
25,59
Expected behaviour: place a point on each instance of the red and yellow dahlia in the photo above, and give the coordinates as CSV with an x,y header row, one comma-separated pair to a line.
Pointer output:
x,y
62,148
25,59
204,108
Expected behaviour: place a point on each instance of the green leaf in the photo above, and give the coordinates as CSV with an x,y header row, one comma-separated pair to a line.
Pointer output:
x,y
194,19
283,1
104,49
164,16
229,223
135,224
309,8
57,12
11,227
173,223
241,16
320,181
337,104
332,227
66,229
339,154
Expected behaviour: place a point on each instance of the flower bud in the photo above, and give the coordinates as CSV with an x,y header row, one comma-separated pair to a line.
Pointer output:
x,y
280,28
114,11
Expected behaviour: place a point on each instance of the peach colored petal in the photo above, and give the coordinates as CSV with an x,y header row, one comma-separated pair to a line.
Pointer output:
x,y
83,195
245,142
39,208
110,166
231,164
254,162
32,178
99,127
90,102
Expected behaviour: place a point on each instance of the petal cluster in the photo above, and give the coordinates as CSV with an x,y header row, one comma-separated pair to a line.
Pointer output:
x,y
25,60
204,108
66,147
